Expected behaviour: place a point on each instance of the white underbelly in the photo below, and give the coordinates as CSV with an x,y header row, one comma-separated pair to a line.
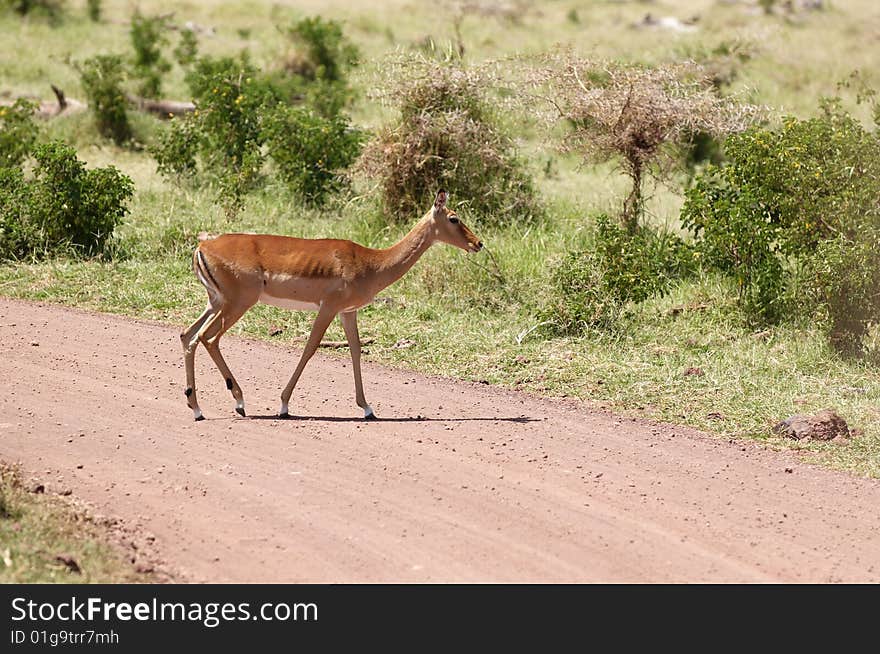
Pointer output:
x,y
286,303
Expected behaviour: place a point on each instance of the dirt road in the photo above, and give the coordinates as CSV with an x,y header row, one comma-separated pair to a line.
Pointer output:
x,y
489,485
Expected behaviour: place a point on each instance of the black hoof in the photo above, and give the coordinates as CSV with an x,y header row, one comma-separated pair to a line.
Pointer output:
x,y
284,416
240,411
372,416
200,418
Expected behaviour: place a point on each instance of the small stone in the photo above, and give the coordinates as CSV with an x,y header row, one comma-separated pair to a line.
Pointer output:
x,y
822,426
693,371
70,562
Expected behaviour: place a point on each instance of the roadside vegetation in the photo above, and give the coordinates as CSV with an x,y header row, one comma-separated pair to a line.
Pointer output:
x,y
44,539
680,223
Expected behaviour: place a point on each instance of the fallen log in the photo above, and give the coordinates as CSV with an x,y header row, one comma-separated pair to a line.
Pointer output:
x,y
47,109
164,109
64,106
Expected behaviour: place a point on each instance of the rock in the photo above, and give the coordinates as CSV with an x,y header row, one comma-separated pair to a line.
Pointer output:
x,y
667,23
39,488
274,330
70,562
822,426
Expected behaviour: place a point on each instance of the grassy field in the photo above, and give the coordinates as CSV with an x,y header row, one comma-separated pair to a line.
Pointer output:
x,y
45,539
474,317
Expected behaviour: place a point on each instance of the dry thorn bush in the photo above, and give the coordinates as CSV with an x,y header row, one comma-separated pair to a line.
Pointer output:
x,y
635,113
450,134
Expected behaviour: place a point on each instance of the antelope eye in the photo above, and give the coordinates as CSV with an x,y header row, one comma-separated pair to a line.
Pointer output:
x,y
453,220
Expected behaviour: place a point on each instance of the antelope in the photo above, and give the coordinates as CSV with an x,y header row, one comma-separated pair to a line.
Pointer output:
x,y
330,276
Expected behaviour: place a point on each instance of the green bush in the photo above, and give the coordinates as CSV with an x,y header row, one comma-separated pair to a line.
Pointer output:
x,y
93,8
177,149
801,195
63,208
187,48
842,281
327,54
594,287
17,234
448,135
318,68
18,132
240,119
148,36
224,133
735,234
310,152
102,77
53,9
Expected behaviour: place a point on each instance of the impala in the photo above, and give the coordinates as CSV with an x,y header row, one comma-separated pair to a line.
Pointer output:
x,y
330,276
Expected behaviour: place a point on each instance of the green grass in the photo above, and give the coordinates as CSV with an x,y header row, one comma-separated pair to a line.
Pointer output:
x,y
467,324
37,528
473,317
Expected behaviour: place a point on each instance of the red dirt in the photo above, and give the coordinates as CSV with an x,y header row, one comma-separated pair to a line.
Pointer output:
x,y
492,485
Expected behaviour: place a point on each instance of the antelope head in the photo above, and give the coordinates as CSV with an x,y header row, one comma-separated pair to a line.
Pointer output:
x,y
449,228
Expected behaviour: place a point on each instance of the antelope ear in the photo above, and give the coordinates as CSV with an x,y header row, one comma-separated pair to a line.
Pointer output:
x,y
440,202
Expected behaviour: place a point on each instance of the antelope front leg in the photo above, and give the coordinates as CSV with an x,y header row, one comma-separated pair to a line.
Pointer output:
x,y
322,322
349,324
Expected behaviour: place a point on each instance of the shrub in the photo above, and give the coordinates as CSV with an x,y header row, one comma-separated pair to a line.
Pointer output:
x,y
311,152
18,132
53,9
316,71
638,114
734,236
324,52
240,119
447,135
224,133
594,287
148,36
842,280
187,48
805,194
93,8
17,236
177,149
64,207
102,77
